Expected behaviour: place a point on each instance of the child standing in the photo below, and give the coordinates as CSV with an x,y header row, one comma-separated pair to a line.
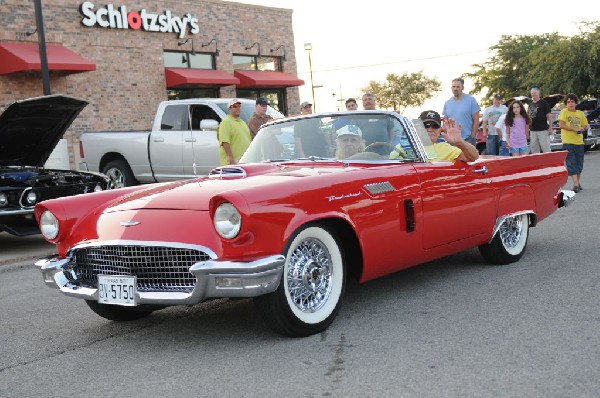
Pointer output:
x,y
517,129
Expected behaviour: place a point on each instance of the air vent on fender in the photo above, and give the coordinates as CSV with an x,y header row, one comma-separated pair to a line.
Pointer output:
x,y
227,172
379,188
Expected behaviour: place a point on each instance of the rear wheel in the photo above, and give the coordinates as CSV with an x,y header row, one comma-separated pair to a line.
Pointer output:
x,y
119,173
118,313
509,243
310,293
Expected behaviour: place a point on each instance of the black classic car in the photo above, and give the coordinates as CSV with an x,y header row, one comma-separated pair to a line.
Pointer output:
x,y
29,132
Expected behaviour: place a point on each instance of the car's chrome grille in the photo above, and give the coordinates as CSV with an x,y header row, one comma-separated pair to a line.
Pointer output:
x,y
158,269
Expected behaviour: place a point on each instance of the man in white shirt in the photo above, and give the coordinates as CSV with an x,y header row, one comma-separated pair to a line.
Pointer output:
x,y
490,117
501,131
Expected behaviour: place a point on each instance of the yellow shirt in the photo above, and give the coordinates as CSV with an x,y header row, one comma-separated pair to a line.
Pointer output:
x,y
441,151
237,134
574,120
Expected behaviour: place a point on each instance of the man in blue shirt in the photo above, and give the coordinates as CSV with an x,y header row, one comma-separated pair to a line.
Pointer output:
x,y
464,109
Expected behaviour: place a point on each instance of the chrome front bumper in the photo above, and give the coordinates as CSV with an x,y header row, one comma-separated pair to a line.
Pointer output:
x,y
214,279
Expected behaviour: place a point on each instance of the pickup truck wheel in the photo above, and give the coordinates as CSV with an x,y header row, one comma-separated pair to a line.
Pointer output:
x,y
508,245
117,313
313,283
119,173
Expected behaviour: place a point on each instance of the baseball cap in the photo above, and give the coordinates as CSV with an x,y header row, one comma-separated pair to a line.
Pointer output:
x,y
305,104
498,96
431,116
349,129
233,102
261,101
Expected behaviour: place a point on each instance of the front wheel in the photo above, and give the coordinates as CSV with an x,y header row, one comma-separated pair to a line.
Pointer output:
x,y
310,293
117,313
508,245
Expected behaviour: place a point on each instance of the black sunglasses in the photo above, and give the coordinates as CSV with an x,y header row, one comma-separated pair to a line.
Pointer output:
x,y
430,125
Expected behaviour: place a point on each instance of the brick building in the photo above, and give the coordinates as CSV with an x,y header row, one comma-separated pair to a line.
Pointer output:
x,y
126,57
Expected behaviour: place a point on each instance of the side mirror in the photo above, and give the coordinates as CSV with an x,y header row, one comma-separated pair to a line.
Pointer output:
x,y
209,124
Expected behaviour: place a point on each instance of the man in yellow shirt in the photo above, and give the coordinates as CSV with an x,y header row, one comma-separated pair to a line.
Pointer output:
x,y
448,143
233,135
573,124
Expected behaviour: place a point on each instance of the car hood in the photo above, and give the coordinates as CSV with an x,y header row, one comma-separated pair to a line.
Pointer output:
x,y
196,194
31,128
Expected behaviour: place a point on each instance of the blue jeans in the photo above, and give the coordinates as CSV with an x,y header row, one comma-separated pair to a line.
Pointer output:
x,y
574,160
503,149
492,145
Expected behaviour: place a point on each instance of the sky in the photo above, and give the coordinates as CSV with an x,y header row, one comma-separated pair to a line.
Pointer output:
x,y
355,42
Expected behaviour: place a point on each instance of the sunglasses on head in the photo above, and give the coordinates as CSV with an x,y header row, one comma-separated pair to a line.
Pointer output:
x,y
429,125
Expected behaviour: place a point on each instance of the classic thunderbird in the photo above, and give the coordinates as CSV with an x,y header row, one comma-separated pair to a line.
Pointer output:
x,y
288,230
29,132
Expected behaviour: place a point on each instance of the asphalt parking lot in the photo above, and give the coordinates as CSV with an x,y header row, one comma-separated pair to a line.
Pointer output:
x,y
22,248
454,327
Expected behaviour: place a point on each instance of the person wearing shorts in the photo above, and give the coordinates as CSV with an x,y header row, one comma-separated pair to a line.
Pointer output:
x,y
572,125
520,150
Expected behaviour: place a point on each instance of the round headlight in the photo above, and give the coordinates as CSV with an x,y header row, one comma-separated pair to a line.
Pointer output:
x,y
3,199
227,220
31,198
48,225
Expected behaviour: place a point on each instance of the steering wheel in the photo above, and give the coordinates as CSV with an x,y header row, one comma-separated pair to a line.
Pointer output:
x,y
380,148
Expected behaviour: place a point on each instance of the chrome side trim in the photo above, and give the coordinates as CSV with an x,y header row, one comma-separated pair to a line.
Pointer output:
x,y
566,198
255,278
379,187
501,219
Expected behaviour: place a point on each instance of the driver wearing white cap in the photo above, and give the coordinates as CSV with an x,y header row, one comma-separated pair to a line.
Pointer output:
x,y
349,141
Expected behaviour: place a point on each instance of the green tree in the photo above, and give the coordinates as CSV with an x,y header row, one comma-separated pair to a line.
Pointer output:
x,y
507,71
399,92
555,63
577,63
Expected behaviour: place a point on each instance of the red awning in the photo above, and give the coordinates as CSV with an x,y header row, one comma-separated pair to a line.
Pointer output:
x,y
17,57
259,78
184,76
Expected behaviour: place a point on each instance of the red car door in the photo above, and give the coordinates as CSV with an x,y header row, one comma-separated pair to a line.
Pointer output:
x,y
458,201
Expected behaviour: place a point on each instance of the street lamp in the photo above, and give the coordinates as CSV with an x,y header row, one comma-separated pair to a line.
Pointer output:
x,y
308,47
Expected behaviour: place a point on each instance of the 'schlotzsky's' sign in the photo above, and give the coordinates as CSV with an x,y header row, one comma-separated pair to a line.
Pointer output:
x,y
120,18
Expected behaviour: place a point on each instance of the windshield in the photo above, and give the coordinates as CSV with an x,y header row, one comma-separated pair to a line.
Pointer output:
x,y
349,136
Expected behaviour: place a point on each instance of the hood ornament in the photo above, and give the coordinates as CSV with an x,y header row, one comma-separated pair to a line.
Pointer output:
x,y
129,223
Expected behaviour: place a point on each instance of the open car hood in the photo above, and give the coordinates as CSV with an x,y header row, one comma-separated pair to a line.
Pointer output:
x,y
31,128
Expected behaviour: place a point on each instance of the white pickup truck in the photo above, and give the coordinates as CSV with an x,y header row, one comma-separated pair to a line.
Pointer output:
x,y
182,143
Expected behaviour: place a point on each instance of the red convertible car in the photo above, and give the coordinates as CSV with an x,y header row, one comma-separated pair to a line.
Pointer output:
x,y
289,231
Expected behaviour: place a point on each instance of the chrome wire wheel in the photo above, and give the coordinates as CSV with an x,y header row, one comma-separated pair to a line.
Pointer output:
x,y
513,234
309,275
314,277
312,284
509,242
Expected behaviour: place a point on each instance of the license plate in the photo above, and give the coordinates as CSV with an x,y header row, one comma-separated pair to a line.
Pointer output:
x,y
117,289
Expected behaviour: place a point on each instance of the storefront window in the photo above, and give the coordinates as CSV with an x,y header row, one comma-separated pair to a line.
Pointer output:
x,y
274,97
268,63
174,59
250,62
244,62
